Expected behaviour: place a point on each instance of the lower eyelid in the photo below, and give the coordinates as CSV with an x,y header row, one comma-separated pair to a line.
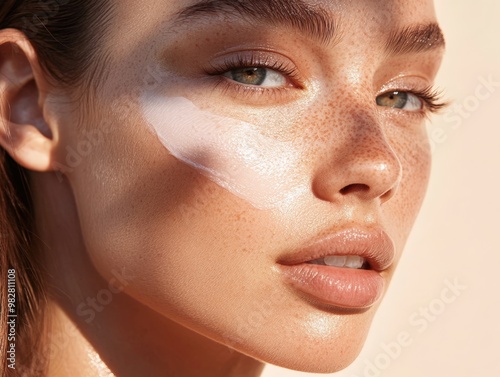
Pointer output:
x,y
255,95
239,85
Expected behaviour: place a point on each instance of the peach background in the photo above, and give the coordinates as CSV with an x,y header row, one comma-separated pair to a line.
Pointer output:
x,y
456,234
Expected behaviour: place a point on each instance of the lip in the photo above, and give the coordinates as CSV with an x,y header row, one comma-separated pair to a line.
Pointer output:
x,y
336,286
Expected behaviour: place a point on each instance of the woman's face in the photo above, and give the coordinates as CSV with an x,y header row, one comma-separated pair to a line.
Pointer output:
x,y
230,144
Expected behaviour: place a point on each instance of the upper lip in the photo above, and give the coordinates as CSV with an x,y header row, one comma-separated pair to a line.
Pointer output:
x,y
375,246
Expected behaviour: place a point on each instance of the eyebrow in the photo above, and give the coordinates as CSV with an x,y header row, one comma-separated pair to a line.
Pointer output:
x,y
414,39
315,21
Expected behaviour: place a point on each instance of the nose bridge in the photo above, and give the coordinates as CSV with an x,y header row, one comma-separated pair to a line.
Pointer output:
x,y
362,162
366,142
369,157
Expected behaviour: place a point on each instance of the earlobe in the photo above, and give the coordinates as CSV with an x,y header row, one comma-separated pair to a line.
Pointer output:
x,y
24,133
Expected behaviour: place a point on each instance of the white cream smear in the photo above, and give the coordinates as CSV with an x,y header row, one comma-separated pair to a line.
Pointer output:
x,y
230,152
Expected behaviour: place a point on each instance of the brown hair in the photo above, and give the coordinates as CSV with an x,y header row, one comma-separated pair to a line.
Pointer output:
x,y
64,34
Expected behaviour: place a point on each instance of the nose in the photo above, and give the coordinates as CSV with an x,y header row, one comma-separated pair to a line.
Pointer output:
x,y
361,164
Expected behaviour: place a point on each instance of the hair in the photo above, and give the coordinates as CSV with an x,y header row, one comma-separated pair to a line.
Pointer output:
x,y
64,34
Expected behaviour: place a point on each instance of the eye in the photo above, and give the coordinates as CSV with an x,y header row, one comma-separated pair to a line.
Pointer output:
x,y
257,76
401,100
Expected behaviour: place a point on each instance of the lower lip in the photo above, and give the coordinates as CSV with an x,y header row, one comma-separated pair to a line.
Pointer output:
x,y
335,286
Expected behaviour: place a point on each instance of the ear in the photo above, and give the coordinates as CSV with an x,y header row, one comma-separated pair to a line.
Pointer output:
x,y
24,133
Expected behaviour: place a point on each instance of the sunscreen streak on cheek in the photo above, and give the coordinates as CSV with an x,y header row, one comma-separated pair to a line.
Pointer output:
x,y
230,152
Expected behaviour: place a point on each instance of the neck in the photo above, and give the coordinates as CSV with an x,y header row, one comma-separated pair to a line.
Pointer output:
x,y
97,330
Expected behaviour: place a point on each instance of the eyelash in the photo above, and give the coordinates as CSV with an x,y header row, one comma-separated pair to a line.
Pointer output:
x,y
430,97
241,61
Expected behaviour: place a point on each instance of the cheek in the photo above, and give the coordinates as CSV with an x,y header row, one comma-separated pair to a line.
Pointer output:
x,y
416,160
143,210
263,171
413,151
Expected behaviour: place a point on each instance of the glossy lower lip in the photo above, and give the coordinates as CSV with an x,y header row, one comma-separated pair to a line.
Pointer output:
x,y
338,287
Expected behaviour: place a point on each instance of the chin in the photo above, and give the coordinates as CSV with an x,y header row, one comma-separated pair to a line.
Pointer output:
x,y
322,342
314,359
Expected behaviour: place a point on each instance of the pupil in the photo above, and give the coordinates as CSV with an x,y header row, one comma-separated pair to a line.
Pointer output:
x,y
396,100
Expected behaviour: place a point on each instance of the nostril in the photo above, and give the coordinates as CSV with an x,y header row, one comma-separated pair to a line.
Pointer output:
x,y
355,188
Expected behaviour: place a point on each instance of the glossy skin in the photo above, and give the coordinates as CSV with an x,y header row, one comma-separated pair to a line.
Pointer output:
x,y
199,262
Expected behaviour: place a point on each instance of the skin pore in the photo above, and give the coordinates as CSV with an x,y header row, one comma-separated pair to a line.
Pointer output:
x,y
159,269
